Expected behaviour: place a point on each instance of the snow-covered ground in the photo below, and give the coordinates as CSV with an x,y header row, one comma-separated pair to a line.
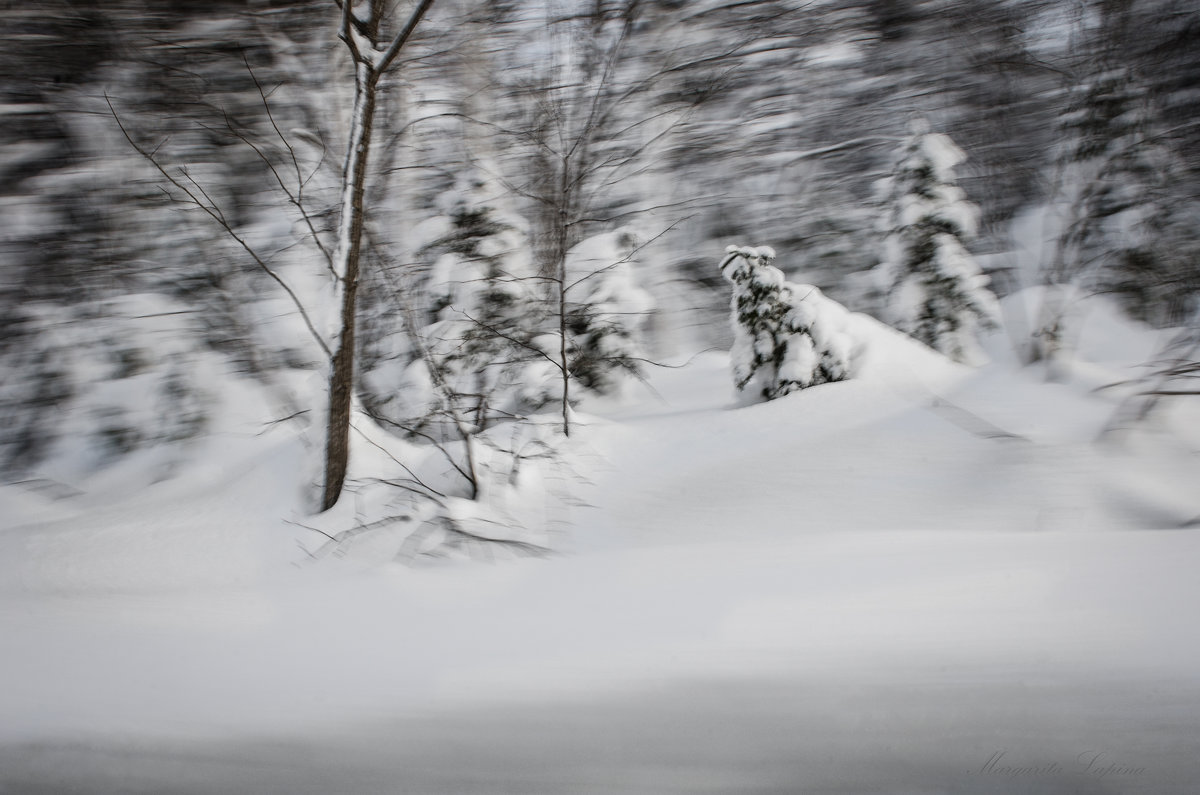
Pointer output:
x,y
927,579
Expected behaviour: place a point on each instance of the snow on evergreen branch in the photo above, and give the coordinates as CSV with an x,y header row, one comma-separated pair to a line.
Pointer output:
x,y
787,336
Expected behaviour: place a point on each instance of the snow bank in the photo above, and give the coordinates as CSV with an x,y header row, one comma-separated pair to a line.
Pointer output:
x,y
922,522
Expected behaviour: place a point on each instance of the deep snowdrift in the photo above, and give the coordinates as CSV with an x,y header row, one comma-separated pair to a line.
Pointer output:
x,y
869,586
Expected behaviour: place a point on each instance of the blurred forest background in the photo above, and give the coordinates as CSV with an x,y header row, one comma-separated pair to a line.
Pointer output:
x,y
642,136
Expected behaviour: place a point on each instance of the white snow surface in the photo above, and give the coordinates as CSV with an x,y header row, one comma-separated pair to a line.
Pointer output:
x,y
923,528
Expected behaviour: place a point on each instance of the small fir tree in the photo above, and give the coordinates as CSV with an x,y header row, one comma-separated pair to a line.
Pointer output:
x,y
471,359
486,316
935,290
786,336
605,312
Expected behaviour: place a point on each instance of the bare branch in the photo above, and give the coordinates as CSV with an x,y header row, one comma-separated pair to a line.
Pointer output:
x,y
344,31
215,213
627,258
402,37
298,199
398,462
441,448
510,338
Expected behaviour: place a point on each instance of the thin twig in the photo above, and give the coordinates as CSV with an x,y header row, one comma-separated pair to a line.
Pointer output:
x,y
213,211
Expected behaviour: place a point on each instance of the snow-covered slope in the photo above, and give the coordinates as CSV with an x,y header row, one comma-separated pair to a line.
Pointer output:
x,y
891,578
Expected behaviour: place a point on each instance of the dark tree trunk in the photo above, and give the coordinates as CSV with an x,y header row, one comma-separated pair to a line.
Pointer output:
x,y
369,67
341,377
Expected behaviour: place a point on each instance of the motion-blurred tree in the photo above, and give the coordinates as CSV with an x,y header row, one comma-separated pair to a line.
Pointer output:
x,y
1127,215
373,50
935,290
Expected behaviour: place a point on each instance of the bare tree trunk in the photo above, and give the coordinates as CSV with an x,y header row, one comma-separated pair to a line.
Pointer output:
x,y
371,62
341,377
561,246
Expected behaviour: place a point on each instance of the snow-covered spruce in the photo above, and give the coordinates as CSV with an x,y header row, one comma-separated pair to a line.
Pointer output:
x,y
786,336
606,311
471,352
935,290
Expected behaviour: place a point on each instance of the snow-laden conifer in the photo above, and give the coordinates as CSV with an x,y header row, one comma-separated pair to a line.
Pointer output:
x,y
786,336
476,344
606,310
936,291
1127,221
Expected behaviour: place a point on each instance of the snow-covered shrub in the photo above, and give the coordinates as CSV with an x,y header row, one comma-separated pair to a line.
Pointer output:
x,y
786,336
605,311
935,291
98,382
